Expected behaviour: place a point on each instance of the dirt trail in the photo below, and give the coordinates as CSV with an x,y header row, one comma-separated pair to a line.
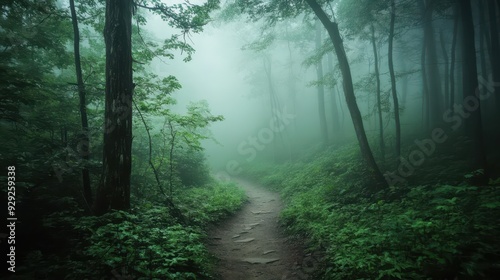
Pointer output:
x,y
250,245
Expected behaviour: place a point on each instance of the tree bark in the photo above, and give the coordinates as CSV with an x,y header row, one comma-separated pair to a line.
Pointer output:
x,y
393,81
335,109
366,152
473,124
446,70
453,58
495,49
321,88
425,88
84,143
114,189
379,103
434,81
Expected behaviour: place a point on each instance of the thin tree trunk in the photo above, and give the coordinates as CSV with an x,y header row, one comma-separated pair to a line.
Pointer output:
x,y
321,88
485,28
357,120
293,97
482,37
446,70
114,189
393,81
473,124
434,81
174,211
453,58
335,109
272,99
379,102
404,79
84,144
425,88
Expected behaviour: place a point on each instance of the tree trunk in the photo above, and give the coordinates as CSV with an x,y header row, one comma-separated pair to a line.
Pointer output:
x,y
495,49
335,109
482,38
379,103
434,81
446,70
114,189
393,81
473,124
84,143
483,28
404,79
293,98
357,120
321,88
425,88
453,58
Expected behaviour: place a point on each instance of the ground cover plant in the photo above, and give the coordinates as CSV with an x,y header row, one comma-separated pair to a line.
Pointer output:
x,y
144,243
422,231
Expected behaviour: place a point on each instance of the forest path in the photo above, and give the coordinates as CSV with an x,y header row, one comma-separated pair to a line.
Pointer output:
x,y
250,244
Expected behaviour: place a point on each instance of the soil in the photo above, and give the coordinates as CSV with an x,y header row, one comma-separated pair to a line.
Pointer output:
x,y
251,245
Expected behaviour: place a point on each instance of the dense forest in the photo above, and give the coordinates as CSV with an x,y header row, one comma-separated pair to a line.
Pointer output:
x,y
149,139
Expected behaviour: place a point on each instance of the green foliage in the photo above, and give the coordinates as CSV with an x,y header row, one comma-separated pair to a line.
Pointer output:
x,y
192,168
39,111
142,247
145,243
419,232
204,205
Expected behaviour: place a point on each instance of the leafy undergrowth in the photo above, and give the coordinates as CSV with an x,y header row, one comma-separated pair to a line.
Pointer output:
x,y
145,243
405,232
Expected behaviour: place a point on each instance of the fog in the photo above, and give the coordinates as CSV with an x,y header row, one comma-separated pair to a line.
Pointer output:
x,y
233,82
267,90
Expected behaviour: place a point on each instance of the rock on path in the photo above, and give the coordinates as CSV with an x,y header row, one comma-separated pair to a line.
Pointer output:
x,y
250,245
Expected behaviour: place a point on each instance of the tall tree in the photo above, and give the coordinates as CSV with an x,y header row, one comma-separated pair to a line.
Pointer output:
x,y
333,32
473,124
335,109
446,69
114,189
321,87
431,63
84,144
379,102
393,81
456,19
495,47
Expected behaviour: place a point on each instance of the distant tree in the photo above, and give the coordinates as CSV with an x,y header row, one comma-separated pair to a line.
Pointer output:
x,y
321,87
379,102
456,19
277,10
334,94
364,19
357,120
84,144
432,80
393,81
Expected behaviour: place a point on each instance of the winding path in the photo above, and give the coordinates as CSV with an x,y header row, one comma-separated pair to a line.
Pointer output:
x,y
250,244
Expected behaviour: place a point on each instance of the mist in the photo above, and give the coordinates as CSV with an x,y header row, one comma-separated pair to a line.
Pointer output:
x,y
262,139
